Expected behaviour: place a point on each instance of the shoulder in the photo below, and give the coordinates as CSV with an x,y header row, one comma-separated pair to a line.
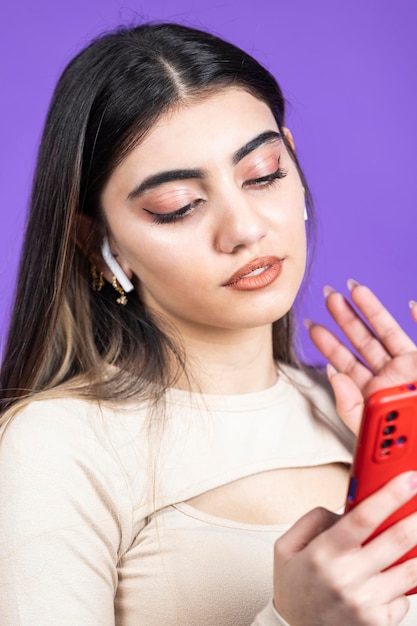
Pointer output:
x,y
69,421
85,445
56,455
53,425
51,435
70,440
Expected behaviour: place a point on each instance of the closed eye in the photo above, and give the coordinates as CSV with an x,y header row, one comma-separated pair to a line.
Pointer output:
x,y
269,179
173,216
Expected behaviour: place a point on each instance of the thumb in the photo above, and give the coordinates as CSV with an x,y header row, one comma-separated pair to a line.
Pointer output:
x,y
349,399
303,532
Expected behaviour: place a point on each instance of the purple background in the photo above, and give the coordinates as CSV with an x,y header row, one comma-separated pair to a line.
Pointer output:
x,y
348,68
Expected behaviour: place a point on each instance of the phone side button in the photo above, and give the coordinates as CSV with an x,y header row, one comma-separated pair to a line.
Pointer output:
x,y
352,489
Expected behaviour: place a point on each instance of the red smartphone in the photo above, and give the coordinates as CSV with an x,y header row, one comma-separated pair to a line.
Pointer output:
x,y
387,446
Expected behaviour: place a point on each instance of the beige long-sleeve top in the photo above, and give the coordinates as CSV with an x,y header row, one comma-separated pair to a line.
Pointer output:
x,y
94,525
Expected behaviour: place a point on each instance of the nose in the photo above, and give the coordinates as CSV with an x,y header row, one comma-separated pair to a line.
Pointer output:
x,y
240,224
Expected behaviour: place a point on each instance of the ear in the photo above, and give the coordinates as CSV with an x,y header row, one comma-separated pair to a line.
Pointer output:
x,y
89,239
289,137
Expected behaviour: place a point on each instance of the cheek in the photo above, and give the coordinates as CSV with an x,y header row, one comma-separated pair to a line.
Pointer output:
x,y
293,231
301,244
161,259
292,226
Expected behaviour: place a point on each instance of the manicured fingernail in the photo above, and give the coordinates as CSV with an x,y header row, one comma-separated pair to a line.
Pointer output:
x,y
331,371
412,304
308,324
327,290
352,283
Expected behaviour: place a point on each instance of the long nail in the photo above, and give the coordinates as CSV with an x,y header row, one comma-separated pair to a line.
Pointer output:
x,y
412,304
352,283
327,290
308,323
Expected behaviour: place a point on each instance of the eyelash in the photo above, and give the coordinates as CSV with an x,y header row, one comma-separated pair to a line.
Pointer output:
x,y
180,214
270,179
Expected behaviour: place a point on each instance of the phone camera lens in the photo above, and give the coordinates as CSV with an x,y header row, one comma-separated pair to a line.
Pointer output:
x,y
388,430
411,387
392,416
387,443
401,440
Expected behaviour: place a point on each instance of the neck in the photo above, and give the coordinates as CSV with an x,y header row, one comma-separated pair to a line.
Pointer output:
x,y
232,362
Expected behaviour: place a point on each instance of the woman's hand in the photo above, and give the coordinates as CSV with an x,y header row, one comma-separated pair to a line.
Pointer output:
x,y
323,576
389,356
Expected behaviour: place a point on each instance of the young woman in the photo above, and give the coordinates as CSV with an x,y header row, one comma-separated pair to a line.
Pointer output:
x,y
159,440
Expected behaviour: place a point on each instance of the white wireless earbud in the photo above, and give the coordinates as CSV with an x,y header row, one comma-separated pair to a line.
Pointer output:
x,y
305,206
115,267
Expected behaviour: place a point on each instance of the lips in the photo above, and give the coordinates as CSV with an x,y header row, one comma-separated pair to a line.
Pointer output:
x,y
256,274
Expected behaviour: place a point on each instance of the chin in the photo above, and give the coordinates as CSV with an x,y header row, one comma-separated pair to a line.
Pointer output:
x,y
258,319
269,312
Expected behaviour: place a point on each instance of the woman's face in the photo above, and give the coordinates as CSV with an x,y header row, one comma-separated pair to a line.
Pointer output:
x,y
206,216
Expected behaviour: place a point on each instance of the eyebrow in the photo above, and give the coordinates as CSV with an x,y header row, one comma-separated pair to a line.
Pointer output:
x,y
164,177
266,137
155,180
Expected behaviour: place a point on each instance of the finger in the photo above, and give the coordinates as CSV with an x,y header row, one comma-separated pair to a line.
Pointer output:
x,y
398,609
396,581
357,526
303,532
359,334
349,399
389,546
395,340
338,354
394,611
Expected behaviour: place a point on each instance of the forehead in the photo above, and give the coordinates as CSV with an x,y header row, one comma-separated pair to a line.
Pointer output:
x,y
203,129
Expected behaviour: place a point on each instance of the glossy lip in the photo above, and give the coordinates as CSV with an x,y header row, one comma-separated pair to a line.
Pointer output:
x,y
242,282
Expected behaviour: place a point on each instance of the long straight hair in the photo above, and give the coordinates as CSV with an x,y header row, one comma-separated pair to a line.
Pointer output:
x,y
63,334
